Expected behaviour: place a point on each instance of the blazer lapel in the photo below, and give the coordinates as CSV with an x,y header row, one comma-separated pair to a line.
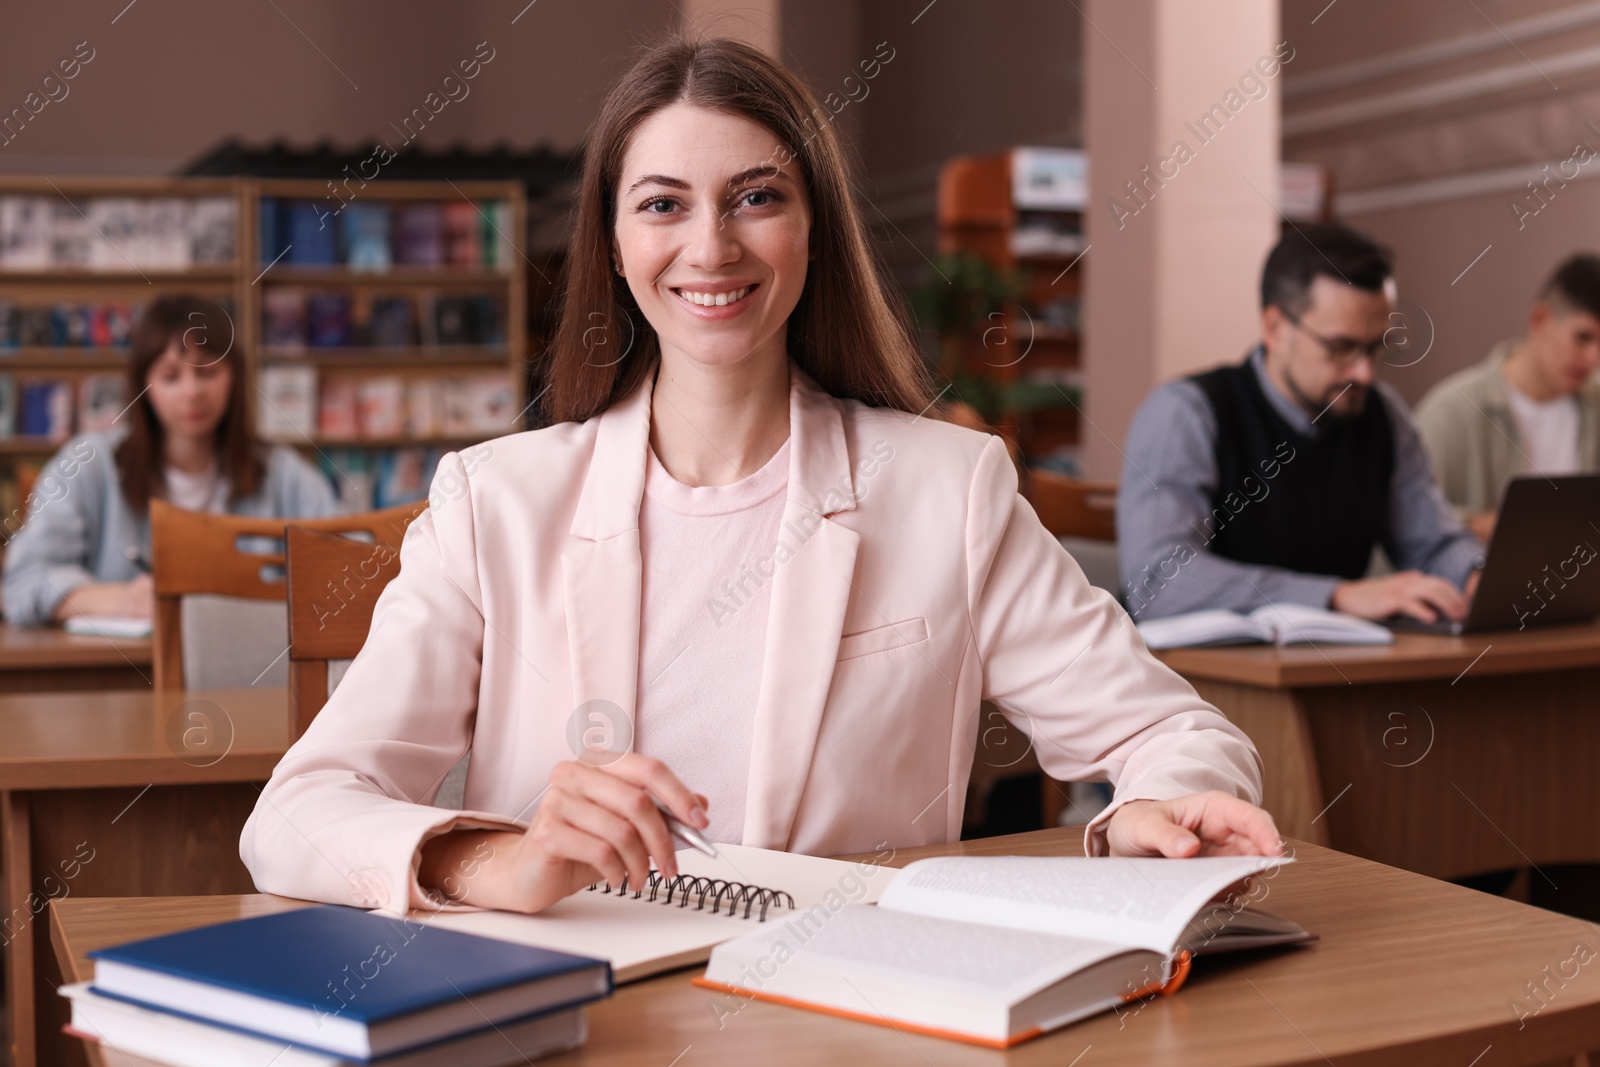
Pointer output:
x,y
602,569
810,591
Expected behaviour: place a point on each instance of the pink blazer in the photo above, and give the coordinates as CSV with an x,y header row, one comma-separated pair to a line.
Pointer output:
x,y
918,583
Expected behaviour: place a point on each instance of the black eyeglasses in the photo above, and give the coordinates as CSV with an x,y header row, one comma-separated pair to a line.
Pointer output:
x,y
1342,349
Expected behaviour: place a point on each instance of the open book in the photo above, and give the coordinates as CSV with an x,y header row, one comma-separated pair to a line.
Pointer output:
x,y
996,950
672,923
1275,624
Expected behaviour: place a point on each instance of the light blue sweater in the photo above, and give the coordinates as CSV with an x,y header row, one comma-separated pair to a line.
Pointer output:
x,y
79,527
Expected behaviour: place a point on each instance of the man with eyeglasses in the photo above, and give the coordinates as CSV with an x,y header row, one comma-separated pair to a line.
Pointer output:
x,y
1271,481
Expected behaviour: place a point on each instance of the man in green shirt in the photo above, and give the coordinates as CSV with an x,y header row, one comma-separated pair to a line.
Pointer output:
x,y
1530,408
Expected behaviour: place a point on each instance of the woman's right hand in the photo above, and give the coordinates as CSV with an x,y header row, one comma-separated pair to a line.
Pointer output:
x,y
133,599
594,823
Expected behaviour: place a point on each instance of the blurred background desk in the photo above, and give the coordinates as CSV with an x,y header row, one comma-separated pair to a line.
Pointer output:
x,y
119,794
48,659
1448,756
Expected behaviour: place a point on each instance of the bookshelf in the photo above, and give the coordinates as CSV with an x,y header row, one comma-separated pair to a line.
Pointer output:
x,y
434,351
1021,213
68,288
79,256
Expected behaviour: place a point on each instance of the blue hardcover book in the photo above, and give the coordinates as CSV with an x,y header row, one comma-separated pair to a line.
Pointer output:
x,y
45,410
328,319
312,231
345,981
366,230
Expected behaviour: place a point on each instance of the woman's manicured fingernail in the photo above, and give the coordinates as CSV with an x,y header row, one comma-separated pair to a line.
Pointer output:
x,y
697,815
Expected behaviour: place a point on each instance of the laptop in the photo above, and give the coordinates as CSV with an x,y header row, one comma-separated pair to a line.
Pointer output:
x,y
1543,563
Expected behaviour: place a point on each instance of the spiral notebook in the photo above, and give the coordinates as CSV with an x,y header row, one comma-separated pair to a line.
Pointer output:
x,y
671,923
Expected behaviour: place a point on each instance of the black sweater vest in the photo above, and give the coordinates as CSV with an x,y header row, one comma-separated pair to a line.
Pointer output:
x,y
1314,505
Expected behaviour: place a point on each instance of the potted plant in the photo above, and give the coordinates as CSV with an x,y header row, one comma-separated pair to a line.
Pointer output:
x,y
963,302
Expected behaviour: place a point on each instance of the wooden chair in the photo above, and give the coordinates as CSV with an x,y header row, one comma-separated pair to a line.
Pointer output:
x,y
1071,507
196,552
334,584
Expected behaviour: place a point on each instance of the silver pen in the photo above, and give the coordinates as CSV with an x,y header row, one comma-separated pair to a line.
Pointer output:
x,y
686,833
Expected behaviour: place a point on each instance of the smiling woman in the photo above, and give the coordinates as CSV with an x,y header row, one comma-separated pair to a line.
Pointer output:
x,y
715,434
742,165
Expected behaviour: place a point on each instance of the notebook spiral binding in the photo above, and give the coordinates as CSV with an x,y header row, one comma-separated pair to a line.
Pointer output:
x,y
687,886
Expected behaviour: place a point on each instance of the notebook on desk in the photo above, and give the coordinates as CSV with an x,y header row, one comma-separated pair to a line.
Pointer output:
x,y
108,626
673,923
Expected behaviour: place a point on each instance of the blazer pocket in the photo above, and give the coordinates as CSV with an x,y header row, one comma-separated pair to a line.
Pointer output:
x,y
883,638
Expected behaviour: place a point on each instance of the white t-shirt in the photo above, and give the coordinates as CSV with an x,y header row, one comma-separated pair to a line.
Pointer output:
x,y
1549,431
708,561
207,491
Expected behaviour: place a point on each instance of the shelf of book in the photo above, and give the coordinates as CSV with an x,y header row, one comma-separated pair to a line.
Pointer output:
x,y
433,272
78,258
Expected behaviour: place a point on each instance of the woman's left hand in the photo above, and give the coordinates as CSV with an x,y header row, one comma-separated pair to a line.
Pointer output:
x,y
1212,823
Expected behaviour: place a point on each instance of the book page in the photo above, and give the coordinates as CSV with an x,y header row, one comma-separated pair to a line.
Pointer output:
x,y
1196,628
1292,623
1144,903
975,961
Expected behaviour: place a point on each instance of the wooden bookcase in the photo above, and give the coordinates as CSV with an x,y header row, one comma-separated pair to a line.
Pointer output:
x,y
978,215
245,279
506,280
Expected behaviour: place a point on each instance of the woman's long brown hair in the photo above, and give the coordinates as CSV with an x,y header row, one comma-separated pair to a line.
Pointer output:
x,y
845,331
204,333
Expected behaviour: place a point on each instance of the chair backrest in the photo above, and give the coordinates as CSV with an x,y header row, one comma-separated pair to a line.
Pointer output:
x,y
334,583
195,552
1074,507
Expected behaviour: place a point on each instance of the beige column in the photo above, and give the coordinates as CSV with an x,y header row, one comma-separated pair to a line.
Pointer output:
x,y
1181,117
755,22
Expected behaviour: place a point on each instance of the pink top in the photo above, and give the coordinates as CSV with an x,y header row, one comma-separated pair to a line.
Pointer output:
x,y
708,561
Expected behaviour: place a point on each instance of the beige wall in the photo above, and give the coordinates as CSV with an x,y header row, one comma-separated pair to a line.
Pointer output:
x,y
1430,121
1169,278
755,22
172,78
967,79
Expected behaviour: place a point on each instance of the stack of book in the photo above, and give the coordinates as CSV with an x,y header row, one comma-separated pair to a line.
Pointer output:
x,y
297,404
293,320
44,407
114,233
327,985
377,235
99,324
364,479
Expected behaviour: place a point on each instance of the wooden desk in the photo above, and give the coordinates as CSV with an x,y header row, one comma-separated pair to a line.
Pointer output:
x,y
48,659
119,793
1409,971
1443,755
